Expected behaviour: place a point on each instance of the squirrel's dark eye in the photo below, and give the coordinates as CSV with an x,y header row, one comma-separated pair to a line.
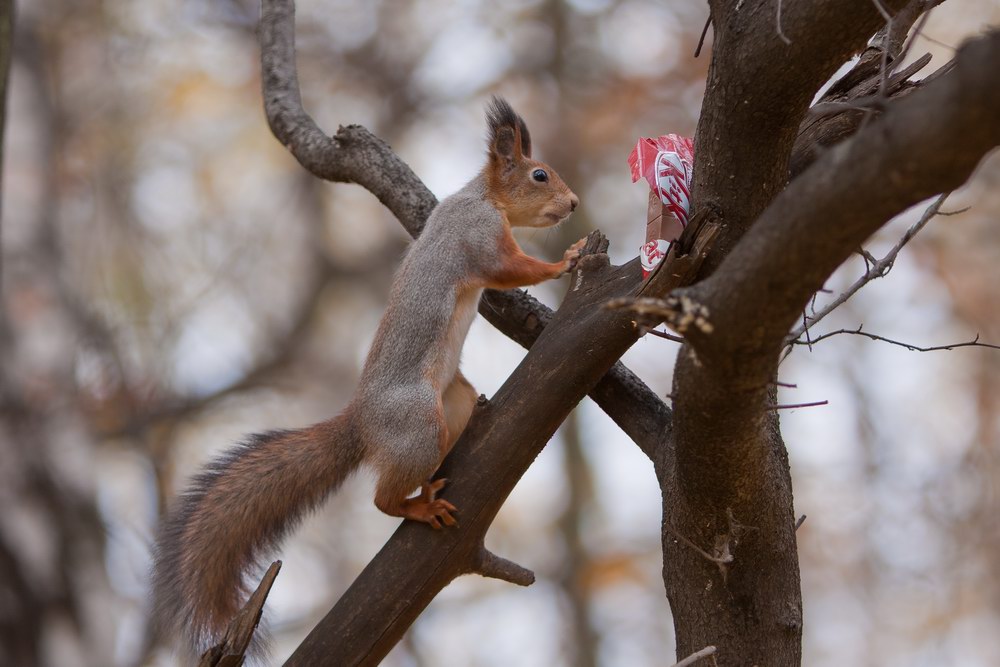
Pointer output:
x,y
540,175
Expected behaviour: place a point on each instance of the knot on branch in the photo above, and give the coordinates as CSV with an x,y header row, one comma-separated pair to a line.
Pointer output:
x,y
597,244
681,313
488,564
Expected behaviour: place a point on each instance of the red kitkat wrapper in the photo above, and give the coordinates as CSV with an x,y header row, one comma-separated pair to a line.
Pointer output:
x,y
661,228
666,163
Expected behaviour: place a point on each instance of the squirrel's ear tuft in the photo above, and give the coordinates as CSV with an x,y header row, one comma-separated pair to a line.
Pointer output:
x,y
509,137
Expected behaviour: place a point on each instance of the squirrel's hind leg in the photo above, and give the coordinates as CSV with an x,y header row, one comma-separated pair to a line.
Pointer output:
x,y
458,400
425,507
426,448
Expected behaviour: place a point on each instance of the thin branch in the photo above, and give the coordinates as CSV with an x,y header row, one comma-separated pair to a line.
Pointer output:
x,y
934,40
665,335
878,270
908,44
882,10
802,520
696,656
718,560
789,406
883,85
909,346
704,31
777,22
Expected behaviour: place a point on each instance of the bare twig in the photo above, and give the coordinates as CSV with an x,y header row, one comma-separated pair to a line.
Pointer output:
x,y
789,406
695,657
802,520
934,40
805,326
878,270
882,10
704,31
664,334
921,22
718,560
777,22
909,346
883,85
955,212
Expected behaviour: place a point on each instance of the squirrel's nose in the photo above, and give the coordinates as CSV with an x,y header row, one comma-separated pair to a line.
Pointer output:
x,y
574,201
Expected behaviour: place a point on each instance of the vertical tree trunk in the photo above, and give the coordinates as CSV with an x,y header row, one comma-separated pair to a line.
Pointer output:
x,y
750,608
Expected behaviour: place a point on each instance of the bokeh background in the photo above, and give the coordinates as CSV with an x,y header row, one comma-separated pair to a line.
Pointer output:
x,y
173,280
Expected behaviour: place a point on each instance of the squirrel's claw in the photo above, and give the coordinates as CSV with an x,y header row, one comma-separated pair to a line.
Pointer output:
x,y
434,513
572,254
426,508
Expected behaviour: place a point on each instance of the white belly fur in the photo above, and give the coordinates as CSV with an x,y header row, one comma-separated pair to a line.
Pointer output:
x,y
465,311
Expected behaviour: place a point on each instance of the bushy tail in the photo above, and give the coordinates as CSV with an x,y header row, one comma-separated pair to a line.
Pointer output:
x,y
236,510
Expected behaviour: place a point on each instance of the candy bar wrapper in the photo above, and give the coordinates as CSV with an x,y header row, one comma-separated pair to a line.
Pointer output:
x,y
666,164
661,228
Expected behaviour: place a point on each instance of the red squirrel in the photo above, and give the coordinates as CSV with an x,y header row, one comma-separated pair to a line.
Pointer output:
x,y
411,404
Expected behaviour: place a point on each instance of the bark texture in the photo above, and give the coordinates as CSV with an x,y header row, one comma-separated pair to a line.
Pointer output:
x,y
757,249
726,478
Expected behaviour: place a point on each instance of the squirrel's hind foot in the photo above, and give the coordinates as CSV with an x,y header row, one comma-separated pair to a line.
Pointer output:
x,y
426,507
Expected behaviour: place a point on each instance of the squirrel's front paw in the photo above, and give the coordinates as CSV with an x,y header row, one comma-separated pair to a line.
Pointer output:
x,y
572,254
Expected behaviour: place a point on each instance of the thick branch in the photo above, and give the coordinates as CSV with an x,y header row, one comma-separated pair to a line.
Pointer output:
x,y
752,110
569,357
878,269
355,155
927,142
727,457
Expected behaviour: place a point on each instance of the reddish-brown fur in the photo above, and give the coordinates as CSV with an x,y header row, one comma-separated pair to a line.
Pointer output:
x,y
517,268
241,505
410,408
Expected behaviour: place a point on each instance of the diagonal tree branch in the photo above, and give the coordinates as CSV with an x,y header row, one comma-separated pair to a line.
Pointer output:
x,y
570,356
927,142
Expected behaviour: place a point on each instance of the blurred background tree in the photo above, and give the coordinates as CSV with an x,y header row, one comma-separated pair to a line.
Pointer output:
x,y
172,280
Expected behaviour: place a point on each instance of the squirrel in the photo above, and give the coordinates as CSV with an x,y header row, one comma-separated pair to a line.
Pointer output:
x,y
411,404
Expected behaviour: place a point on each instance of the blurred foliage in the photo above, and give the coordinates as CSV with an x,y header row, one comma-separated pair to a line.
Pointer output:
x,y
172,280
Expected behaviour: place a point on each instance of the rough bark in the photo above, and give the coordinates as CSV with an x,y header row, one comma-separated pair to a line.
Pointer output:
x,y
504,436
728,465
730,563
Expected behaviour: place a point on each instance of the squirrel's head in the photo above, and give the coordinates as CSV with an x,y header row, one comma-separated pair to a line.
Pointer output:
x,y
527,192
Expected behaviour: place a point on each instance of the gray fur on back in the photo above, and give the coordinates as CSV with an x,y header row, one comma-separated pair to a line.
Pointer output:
x,y
413,357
